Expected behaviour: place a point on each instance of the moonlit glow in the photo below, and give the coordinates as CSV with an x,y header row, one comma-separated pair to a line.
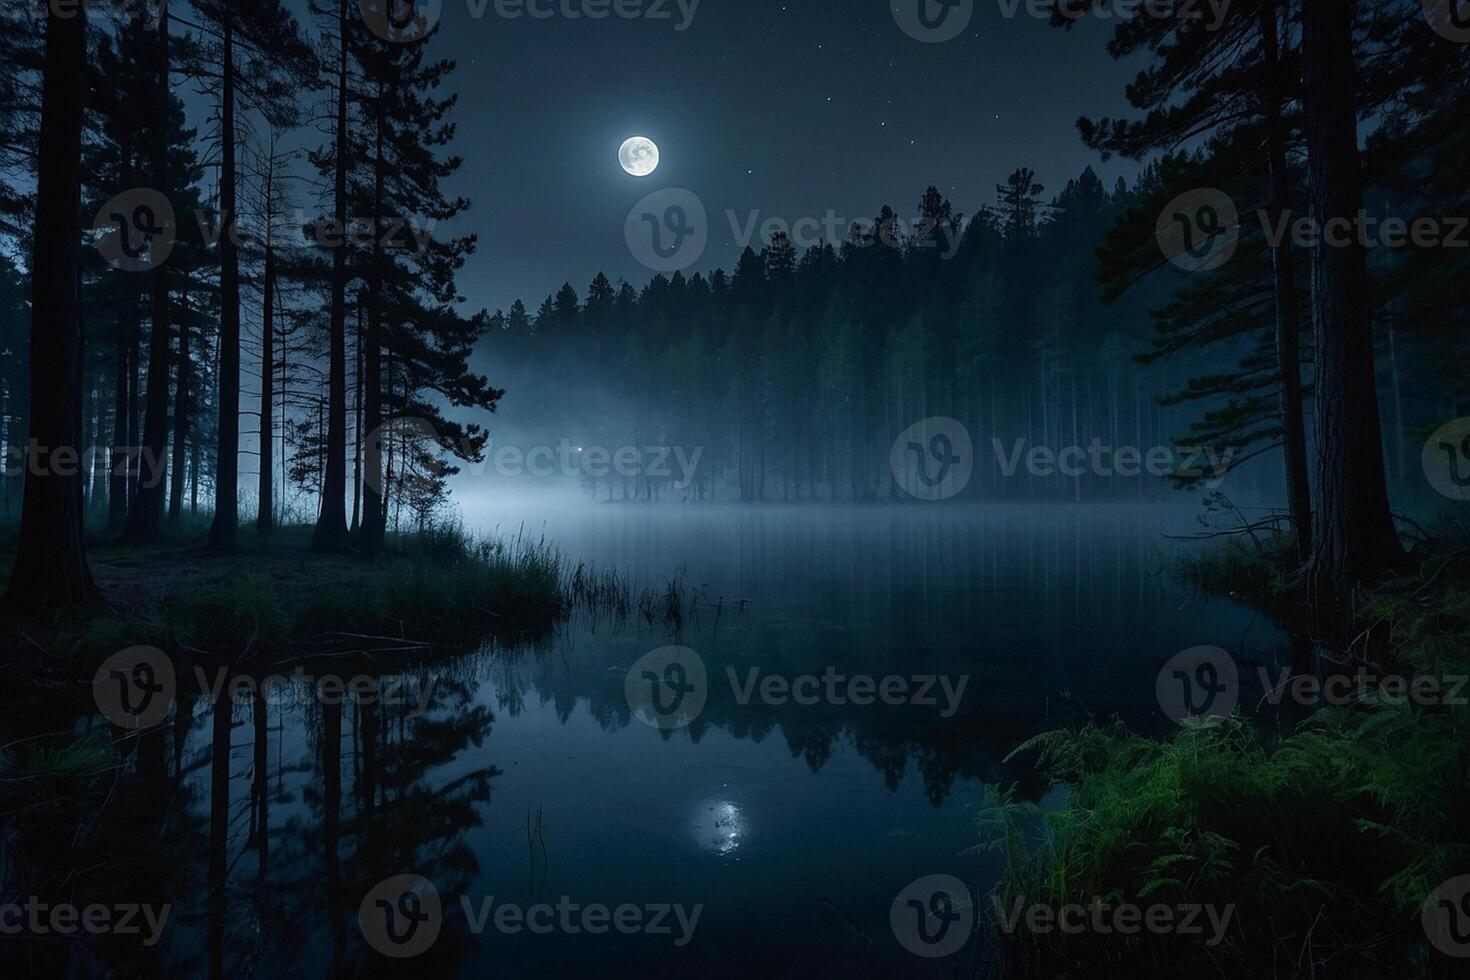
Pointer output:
x,y
639,156
719,826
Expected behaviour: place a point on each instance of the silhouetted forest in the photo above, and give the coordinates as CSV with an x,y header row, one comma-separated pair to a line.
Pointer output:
x,y
235,316
795,372
304,304
244,375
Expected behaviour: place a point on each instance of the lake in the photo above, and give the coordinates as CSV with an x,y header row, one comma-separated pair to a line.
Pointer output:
x,y
866,671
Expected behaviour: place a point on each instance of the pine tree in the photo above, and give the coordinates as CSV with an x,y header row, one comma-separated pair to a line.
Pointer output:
x,y
172,167
411,286
330,533
51,568
1355,538
258,55
1228,82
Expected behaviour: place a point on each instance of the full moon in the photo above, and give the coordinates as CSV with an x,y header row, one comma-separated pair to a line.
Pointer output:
x,y
639,156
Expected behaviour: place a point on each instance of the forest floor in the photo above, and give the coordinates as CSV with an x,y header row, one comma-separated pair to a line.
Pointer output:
x,y
136,580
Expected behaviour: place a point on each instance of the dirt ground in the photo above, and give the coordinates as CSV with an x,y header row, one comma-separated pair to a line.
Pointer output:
x,y
135,581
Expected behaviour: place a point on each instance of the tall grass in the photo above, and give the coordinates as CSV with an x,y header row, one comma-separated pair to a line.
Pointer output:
x,y
442,583
600,591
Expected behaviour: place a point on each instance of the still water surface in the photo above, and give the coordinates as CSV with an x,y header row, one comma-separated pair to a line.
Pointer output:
x,y
790,827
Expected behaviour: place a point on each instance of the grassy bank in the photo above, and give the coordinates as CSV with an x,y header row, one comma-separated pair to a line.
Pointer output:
x,y
276,597
1325,845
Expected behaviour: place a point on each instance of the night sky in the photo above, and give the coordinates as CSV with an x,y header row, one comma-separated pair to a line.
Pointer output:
x,y
792,108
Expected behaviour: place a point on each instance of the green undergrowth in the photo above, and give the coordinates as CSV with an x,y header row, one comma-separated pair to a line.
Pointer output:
x,y
1254,570
41,759
243,615
1325,844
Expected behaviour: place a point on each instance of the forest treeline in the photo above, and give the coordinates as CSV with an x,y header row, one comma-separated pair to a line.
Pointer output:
x,y
795,371
1059,320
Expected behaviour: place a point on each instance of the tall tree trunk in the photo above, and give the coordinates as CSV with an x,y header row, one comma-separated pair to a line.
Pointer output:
x,y
321,441
135,373
117,472
357,425
1398,399
374,506
181,423
194,476
1288,315
91,437
1354,537
285,421
147,512
99,465
265,517
51,559
331,525
224,532
385,438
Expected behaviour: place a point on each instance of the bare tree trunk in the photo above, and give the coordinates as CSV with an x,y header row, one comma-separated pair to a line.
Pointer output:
x,y
147,512
224,532
389,473
1398,400
194,450
321,441
331,525
51,559
264,518
285,421
181,424
374,502
1288,316
117,471
90,437
135,372
357,426
1355,538
99,466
